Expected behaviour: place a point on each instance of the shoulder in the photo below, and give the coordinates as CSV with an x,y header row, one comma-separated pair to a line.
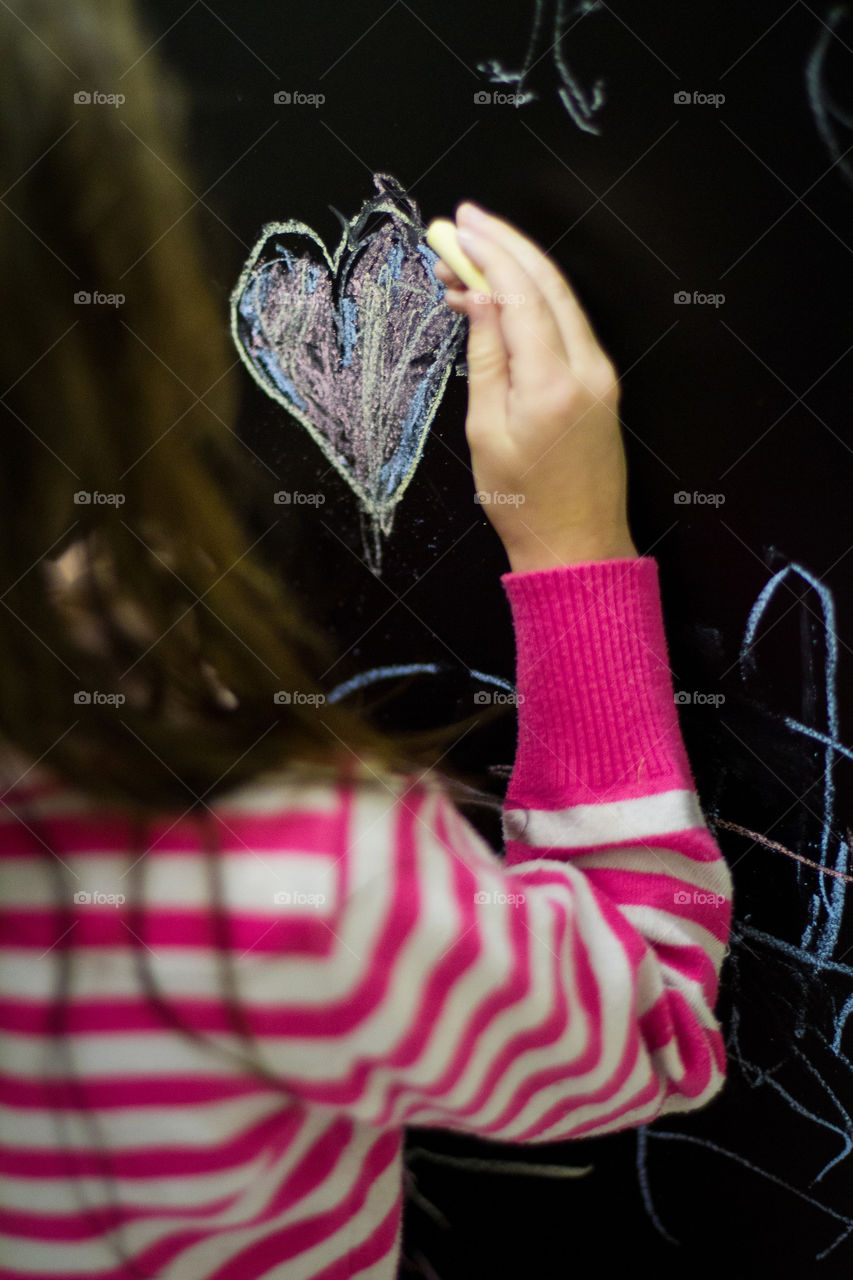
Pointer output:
x,y
342,810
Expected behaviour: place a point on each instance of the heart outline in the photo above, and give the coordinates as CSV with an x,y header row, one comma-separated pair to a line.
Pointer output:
x,y
406,234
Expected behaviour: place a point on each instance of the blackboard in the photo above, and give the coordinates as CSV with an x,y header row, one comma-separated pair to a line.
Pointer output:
x,y
690,168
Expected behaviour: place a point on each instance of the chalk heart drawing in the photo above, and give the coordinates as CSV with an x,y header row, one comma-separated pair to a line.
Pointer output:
x,y
358,348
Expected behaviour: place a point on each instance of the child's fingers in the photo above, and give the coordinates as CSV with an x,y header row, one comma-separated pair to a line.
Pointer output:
x,y
487,364
447,275
488,372
578,336
458,300
537,354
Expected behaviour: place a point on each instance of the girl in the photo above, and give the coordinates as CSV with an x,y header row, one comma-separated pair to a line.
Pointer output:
x,y
246,942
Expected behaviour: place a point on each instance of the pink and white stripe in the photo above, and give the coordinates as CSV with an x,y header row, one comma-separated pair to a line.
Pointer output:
x,y
393,969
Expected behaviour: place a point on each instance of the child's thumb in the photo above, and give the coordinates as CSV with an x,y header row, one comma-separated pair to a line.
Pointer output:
x,y
488,364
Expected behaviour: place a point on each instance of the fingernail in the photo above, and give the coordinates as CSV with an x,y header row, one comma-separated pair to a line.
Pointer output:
x,y
469,240
472,214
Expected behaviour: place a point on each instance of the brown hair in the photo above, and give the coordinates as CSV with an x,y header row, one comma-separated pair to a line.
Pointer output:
x,y
137,401
171,605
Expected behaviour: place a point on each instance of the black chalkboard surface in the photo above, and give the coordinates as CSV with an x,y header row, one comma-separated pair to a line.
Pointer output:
x,y
690,168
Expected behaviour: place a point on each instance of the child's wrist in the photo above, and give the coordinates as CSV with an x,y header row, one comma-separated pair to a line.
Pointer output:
x,y
578,550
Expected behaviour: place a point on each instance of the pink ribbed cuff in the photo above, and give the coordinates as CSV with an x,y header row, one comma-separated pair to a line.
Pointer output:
x,y
596,714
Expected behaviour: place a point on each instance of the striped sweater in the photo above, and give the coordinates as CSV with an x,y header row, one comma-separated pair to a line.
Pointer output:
x,y
394,970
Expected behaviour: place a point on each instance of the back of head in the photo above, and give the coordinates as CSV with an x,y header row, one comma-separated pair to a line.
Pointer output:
x,y
146,668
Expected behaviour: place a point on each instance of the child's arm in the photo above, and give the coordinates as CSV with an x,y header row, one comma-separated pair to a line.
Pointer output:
x,y
602,782
571,992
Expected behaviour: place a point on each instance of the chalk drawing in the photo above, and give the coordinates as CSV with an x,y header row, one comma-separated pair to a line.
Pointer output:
x,y
828,116
581,104
811,1055
375,674
358,348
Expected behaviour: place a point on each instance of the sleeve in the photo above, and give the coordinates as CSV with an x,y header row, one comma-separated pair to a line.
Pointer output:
x,y
569,990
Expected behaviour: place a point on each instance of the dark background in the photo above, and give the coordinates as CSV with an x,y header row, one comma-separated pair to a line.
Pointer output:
x,y
749,400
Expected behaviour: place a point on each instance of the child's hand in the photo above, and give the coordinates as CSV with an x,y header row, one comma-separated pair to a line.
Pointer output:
x,y
542,423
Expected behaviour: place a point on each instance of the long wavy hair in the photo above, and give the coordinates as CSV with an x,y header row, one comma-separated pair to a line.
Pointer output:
x,y
163,599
